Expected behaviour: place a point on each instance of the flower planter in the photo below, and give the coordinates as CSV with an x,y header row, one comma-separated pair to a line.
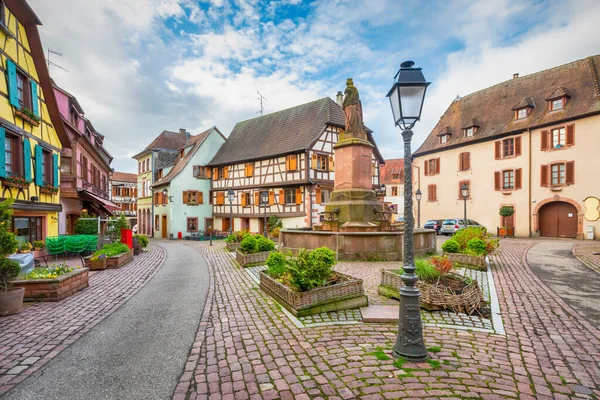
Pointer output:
x,y
248,260
47,190
467,260
98,265
54,289
232,246
11,301
435,297
18,185
119,260
345,295
506,232
26,117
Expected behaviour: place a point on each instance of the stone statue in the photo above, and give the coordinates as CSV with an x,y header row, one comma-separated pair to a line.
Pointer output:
x,y
353,110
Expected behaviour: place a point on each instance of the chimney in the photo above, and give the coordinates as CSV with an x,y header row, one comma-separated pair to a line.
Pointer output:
x,y
187,134
339,98
515,75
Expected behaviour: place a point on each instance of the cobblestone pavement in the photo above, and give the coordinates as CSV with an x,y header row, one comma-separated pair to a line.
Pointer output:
x,y
584,249
247,348
33,337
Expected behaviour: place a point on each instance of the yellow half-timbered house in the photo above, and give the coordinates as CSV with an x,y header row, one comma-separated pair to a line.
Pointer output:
x,y
31,133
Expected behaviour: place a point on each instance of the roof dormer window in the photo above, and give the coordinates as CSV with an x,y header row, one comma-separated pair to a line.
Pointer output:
x,y
445,135
470,132
444,139
558,99
523,108
470,129
557,104
522,113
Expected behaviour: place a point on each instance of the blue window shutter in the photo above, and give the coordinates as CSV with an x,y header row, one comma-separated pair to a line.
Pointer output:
x,y
27,159
39,166
2,153
34,99
12,83
55,167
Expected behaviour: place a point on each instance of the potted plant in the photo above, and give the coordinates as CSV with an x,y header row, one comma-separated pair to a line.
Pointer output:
x,y
504,231
98,262
254,250
11,299
39,245
25,248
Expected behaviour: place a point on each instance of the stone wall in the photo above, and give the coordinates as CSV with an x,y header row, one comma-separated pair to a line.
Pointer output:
x,y
54,289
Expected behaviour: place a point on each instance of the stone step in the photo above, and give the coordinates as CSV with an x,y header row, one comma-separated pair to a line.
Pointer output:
x,y
380,314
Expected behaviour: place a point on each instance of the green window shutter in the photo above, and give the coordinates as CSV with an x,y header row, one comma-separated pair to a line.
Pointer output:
x,y
35,103
39,166
55,168
27,159
2,153
12,83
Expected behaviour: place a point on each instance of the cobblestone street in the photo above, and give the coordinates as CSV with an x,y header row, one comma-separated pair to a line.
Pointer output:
x,y
247,348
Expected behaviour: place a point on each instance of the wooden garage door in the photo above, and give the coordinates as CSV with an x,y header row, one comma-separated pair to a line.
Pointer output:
x,y
558,219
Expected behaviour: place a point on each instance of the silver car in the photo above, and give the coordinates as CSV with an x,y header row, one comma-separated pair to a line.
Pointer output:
x,y
451,226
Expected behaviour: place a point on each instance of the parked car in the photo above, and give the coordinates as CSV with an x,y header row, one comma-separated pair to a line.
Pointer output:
x,y
435,224
451,226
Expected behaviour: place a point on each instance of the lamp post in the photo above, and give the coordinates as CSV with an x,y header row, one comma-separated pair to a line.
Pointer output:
x,y
265,200
418,195
230,197
406,98
464,191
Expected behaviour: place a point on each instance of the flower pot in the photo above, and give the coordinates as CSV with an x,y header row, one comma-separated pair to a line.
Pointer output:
x,y
11,301
98,265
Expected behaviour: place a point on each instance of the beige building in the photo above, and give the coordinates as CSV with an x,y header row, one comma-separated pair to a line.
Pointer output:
x,y
530,143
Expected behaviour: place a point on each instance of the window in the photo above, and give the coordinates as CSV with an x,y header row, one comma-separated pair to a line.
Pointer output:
x,y
291,162
12,155
464,161
118,191
27,229
192,224
84,168
48,167
73,116
431,193
522,113
395,176
65,165
290,196
156,222
432,167
321,163
556,104
210,197
325,195
558,137
470,131
220,173
444,139
160,174
23,90
394,190
508,179
557,174
508,147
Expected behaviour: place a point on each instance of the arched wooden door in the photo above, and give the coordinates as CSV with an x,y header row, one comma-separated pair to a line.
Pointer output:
x,y
558,219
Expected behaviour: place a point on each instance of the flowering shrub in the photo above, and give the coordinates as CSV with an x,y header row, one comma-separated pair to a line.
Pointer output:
x,y
17,180
112,249
98,257
477,246
463,237
49,273
442,264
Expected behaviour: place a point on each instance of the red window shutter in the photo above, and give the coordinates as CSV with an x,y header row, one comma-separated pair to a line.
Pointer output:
x,y
257,198
185,197
225,172
467,161
437,165
518,178
313,161
426,167
243,200
544,175
518,146
318,196
570,135
281,196
298,196
460,162
570,173
434,192
497,149
428,192
271,197
287,163
497,180
460,191
331,164
200,197
544,140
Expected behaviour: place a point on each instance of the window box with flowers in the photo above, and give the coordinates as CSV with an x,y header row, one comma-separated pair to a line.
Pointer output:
x,y
16,182
48,189
27,115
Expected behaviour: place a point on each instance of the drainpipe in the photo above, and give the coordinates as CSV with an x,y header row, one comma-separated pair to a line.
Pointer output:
x,y
530,216
152,195
310,215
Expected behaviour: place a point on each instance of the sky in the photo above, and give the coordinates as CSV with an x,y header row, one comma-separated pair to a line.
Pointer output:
x,y
139,67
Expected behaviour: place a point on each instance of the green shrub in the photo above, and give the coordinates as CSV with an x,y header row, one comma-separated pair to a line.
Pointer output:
x,y
9,270
424,270
264,244
115,226
239,235
86,227
112,249
477,246
248,244
39,244
311,269
143,240
231,239
8,242
451,246
277,265
464,235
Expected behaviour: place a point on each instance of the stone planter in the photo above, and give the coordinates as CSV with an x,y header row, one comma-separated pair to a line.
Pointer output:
x,y
467,260
434,298
345,295
232,246
119,261
54,289
11,301
248,260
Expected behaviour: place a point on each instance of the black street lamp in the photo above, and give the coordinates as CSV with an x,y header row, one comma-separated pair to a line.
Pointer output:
x,y
464,191
165,193
406,98
230,197
265,201
418,195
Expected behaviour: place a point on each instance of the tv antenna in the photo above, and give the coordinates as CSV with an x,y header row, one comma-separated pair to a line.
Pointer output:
x,y
50,63
263,101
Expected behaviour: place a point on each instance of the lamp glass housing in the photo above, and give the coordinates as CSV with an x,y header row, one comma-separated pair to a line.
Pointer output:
x,y
418,194
464,191
230,195
407,95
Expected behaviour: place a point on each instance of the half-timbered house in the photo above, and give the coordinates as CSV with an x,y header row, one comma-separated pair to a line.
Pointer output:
x,y
288,156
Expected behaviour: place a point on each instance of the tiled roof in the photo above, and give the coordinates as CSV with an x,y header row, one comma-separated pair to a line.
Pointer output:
x,y
195,141
392,166
123,177
166,158
168,140
286,131
493,107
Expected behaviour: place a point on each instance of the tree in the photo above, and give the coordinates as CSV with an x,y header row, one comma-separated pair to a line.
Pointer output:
x,y
506,211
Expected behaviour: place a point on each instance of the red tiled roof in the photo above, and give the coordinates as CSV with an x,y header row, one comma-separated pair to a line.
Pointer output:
x,y
493,107
392,166
123,177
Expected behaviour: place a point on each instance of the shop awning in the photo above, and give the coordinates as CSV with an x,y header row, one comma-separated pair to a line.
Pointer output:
x,y
108,206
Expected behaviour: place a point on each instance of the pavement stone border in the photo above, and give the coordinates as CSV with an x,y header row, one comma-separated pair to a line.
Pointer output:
x,y
37,334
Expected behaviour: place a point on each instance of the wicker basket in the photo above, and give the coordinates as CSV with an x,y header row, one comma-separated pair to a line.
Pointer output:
x,y
436,297
466,259
349,288
251,259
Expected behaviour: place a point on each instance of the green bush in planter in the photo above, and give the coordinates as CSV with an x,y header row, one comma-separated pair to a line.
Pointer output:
x,y
424,270
477,246
143,240
311,269
277,265
248,244
231,239
264,244
451,246
8,242
9,270
112,249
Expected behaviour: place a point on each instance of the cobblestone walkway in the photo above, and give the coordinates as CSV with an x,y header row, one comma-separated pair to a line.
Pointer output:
x,y
33,337
584,251
246,348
